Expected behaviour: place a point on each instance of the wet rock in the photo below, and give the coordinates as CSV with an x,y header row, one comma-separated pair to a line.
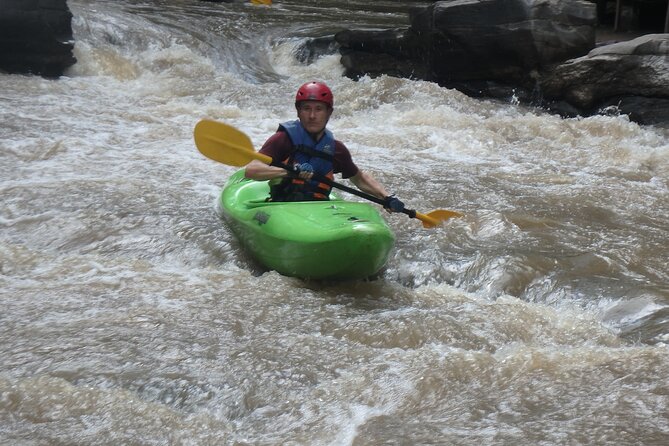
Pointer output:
x,y
459,41
636,68
504,40
316,47
539,52
643,110
394,52
35,37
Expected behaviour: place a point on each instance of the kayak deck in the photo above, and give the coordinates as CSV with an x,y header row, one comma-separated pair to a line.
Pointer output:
x,y
333,239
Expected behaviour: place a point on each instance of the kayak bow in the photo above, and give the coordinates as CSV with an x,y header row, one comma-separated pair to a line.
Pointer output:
x,y
333,239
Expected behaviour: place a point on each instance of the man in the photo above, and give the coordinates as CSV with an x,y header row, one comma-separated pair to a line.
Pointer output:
x,y
308,146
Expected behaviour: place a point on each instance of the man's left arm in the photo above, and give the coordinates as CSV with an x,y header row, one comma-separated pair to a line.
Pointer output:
x,y
367,183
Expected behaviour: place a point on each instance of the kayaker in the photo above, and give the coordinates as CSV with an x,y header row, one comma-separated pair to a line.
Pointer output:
x,y
311,148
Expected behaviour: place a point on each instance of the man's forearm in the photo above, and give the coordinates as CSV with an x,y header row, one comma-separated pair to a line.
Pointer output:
x,y
255,170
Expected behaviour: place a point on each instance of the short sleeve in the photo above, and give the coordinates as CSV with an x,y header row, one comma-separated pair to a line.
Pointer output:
x,y
343,161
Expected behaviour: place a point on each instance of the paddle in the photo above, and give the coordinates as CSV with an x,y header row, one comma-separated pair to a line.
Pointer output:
x,y
228,145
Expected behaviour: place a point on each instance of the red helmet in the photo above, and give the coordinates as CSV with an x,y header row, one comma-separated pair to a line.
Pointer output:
x,y
315,91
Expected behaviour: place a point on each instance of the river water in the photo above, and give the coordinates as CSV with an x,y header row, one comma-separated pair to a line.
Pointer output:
x,y
130,315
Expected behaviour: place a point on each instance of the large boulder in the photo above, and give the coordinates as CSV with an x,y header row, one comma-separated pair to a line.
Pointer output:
x,y
394,52
638,67
35,37
630,78
503,40
539,52
452,42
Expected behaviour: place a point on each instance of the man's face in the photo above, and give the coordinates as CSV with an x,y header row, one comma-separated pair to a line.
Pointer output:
x,y
313,115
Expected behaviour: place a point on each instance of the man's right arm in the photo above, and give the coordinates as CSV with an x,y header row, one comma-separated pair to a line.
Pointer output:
x,y
256,170
275,147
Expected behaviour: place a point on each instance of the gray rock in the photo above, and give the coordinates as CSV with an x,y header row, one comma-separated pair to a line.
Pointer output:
x,y
638,67
450,42
539,52
35,37
504,40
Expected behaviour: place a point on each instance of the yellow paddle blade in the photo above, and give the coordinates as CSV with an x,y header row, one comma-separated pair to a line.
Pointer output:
x,y
435,218
225,144
261,2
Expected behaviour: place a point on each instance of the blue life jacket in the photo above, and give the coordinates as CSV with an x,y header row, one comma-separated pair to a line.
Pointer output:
x,y
320,155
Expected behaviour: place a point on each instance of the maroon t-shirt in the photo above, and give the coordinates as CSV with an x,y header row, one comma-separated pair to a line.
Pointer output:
x,y
280,147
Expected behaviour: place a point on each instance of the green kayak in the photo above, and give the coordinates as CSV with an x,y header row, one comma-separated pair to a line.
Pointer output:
x,y
333,239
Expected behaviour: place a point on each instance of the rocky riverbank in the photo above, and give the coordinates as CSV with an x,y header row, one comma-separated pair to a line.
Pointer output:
x,y
547,53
